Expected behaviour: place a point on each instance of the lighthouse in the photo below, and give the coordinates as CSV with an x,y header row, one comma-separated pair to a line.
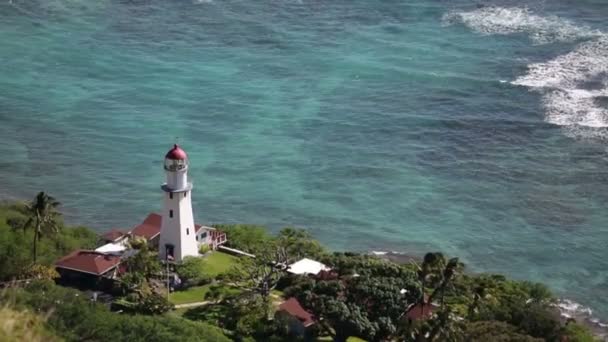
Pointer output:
x,y
177,231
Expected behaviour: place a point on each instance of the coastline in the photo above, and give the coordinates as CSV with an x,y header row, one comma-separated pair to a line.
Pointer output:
x,y
568,309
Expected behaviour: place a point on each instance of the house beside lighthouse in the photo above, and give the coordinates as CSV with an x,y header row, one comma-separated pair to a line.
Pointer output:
x,y
172,231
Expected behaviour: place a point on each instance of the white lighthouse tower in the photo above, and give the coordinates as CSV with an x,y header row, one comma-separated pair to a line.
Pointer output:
x,y
177,231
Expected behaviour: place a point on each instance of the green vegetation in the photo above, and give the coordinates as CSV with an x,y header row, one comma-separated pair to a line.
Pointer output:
x,y
23,326
201,270
198,272
73,317
16,244
248,238
42,218
218,263
297,243
363,298
190,295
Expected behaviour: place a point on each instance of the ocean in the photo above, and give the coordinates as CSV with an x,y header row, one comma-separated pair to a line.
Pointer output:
x,y
477,128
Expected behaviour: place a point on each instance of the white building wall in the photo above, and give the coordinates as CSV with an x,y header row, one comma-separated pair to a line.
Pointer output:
x,y
179,229
207,239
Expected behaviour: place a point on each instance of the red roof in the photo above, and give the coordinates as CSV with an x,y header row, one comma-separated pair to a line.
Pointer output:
x,y
88,262
419,311
293,307
112,235
176,153
150,228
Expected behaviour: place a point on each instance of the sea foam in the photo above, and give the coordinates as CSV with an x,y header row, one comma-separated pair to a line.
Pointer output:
x,y
570,309
500,20
564,82
573,85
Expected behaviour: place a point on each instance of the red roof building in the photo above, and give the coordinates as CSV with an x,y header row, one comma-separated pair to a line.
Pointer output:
x,y
90,262
294,309
420,312
113,235
150,228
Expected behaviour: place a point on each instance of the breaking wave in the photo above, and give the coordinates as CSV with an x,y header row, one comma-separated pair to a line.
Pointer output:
x,y
572,310
499,20
574,86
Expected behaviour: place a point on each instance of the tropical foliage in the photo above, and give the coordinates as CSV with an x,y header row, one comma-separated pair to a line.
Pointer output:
x,y
74,317
43,218
23,326
366,298
16,244
362,297
193,271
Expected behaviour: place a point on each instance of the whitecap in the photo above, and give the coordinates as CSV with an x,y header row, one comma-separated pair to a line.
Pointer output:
x,y
564,81
509,20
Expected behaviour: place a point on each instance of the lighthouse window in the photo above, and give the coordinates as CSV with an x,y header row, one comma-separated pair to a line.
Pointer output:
x,y
171,195
170,213
187,231
185,194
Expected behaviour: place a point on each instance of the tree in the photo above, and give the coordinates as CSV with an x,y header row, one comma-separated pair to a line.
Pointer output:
x,y
248,238
140,267
259,275
192,271
43,217
367,298
482,331
576,332
145,261
153,304
299,244
73,317
446,275
40,272
427,272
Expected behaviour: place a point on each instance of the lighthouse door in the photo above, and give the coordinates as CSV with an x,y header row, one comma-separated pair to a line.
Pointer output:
x,y
169,252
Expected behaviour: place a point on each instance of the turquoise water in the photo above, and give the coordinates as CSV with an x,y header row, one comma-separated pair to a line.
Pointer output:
x,y
378,125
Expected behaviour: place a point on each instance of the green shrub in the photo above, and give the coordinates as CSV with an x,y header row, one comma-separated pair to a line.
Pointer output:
x,y
23,326
73,317
16,244
576,332
193,271
204,249
153,304
246,237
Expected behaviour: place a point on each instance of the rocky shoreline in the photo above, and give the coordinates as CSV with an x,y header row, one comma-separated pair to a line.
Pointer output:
x,y
568,309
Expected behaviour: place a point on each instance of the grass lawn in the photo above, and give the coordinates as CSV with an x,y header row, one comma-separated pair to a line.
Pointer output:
x,y
191,295
218,262
197,294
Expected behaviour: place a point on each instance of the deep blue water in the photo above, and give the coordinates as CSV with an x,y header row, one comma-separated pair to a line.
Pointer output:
x,y
378,125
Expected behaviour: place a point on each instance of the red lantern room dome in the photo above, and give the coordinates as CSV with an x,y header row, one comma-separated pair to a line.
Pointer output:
x,y
176,153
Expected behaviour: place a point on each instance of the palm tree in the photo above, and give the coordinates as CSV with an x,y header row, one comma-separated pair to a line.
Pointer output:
x,y
444,327
429,265
446,275
43,215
